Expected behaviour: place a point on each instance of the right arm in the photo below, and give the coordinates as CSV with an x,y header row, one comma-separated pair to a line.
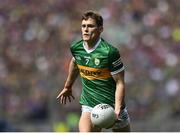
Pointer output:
x,y
66,92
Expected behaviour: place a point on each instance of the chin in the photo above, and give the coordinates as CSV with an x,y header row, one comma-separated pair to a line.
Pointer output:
x,y
85,39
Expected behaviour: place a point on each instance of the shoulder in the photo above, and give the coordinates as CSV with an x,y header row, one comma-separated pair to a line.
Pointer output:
x,y
76,44
111,49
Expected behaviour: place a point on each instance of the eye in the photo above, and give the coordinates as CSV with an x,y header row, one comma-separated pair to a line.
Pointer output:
x,y
91,26
83,26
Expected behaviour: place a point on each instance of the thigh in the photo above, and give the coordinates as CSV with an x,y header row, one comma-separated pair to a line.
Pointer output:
x,y
85,124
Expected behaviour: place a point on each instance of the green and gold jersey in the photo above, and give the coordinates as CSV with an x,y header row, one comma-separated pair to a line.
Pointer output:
x,y
96,67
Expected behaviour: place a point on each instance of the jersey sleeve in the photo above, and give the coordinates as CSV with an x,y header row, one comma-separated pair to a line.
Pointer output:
x,y
115,62
71,49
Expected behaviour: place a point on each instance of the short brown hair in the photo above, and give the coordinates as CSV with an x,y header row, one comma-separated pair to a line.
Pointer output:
x,y
94,15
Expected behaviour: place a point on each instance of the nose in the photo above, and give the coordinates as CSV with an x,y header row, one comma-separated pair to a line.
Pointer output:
x,y
86,28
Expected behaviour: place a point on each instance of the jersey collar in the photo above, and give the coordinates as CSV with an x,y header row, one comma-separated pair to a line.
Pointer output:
x,y
92,49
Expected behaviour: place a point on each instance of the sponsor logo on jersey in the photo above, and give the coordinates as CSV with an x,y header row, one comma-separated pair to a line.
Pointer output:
x,y
94,73
87,57
78,57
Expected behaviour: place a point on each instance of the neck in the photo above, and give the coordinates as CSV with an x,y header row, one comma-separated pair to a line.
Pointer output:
x,y
91,44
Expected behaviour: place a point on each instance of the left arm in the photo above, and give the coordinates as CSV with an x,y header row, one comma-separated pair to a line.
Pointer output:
x,y
120,91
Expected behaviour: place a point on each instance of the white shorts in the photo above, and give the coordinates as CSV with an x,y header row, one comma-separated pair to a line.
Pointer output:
x,y
122,121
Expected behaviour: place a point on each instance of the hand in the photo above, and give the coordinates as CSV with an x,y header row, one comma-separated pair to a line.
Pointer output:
x,y
117,113
64,94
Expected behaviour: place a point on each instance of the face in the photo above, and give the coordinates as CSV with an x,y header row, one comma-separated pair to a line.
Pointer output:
x,y
90,31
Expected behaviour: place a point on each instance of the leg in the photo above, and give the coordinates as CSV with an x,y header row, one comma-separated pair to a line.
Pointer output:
x,y
85,124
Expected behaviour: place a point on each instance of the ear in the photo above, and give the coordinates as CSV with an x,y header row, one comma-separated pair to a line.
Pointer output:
x,y
101,29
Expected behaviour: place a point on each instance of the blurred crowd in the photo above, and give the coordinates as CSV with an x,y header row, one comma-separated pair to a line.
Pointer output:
x,y
35,36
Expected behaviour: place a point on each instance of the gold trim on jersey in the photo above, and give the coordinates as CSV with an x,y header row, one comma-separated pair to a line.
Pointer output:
x,y
94,73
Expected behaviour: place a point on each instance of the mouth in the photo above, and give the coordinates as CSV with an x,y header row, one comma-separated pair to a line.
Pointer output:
x,y
86,35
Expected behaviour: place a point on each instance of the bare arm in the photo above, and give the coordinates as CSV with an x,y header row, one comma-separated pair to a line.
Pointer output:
x,y
66,92
120,91
73,73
